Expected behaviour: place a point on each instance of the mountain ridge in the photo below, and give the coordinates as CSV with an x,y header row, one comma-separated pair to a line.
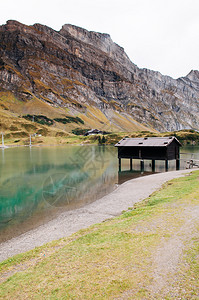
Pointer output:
x,y
84,73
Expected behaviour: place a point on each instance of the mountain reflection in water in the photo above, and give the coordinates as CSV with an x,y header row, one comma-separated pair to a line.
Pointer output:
x,y
38,183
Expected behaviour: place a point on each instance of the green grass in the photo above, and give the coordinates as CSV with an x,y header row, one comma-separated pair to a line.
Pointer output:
x,y
112,259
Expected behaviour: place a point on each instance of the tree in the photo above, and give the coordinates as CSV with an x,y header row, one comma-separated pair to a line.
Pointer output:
x,y
103,140
99,140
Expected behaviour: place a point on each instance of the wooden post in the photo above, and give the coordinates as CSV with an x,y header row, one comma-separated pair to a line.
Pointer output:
x,y
177,164
166,165
153,165
120,167
131,164
142,165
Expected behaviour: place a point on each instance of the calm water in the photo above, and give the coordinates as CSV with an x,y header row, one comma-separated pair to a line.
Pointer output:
x,y
36,184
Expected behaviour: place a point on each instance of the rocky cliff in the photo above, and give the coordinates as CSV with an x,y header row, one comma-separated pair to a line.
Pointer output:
x,y
75,72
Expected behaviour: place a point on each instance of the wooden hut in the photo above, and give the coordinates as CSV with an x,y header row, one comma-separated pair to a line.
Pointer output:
x,y
150,148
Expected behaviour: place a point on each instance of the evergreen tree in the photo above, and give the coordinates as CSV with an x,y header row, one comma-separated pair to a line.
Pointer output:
x,y
99,140
103,140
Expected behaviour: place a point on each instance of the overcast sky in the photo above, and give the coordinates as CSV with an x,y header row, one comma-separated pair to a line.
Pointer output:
x,y
162,35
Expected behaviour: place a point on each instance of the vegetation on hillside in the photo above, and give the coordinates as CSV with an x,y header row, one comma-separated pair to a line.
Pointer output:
x,y
39,119
101,140
185,137
80,131
68,119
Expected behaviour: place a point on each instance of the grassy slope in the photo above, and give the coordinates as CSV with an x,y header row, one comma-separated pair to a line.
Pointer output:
x,y
17,130
115,258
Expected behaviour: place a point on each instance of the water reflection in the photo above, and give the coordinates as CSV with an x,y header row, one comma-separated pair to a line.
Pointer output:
x,y
38,183
3,157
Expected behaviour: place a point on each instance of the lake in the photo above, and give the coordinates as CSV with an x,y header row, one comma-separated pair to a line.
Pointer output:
x,y
38,183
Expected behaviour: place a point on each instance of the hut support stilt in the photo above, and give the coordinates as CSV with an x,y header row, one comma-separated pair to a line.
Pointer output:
x,y
131,164
177,164
153,165
142,165
120,166
166,165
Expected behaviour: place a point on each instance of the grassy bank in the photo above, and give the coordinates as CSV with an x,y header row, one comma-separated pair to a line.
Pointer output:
x,y
54,137
122,258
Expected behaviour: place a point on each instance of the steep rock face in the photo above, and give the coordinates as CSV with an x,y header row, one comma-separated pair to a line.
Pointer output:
x,y
101,41
175,101
80,70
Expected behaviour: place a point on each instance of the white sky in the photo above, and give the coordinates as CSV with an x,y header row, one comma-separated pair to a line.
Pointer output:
x,y
161,35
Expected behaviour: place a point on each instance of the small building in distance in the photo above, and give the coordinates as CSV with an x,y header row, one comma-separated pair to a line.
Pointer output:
x,y
149,148
93,132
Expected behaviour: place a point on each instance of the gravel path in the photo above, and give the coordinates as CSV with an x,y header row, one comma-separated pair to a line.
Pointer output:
x,y
111,205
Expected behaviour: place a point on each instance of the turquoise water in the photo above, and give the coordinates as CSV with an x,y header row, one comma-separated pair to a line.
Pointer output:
x,y
38,183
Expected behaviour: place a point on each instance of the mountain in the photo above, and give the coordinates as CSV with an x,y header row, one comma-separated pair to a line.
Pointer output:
x,y
78,73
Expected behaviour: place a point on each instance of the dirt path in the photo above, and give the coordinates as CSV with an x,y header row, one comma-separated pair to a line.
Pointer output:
x,y
169,255
107,207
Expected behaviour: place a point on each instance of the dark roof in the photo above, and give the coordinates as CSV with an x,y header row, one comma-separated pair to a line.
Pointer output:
x,y
147,142
94,131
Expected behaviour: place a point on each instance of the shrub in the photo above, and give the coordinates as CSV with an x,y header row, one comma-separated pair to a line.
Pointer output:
x,y
103,139
79,131
39,119
68,119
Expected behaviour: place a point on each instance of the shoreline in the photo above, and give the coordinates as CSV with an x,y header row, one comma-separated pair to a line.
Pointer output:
x,y
49,145
109,206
